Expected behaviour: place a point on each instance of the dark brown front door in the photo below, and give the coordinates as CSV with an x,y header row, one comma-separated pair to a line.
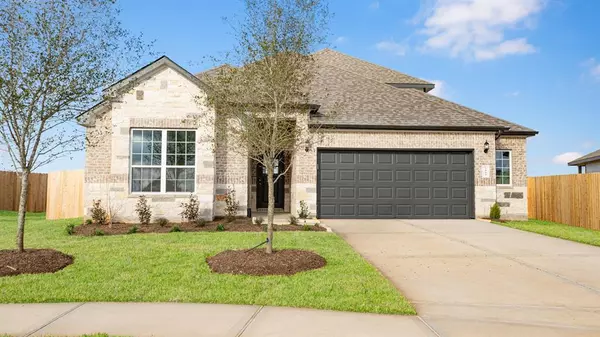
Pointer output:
x,y
262,187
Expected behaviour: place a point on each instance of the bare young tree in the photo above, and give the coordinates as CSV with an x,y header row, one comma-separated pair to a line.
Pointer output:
x,y
55,55
261,103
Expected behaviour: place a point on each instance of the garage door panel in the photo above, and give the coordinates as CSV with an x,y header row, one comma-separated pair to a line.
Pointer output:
x,y
395,184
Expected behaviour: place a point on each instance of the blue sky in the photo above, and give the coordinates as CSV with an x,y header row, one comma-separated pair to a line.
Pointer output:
x,y
533,62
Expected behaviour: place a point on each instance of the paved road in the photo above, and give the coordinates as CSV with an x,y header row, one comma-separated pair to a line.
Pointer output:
x,y
473,278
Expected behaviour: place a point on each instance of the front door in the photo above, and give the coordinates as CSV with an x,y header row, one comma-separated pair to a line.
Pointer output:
x,y
262,187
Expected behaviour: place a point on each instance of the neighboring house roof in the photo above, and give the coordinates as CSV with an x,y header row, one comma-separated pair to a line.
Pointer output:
x,y
588,158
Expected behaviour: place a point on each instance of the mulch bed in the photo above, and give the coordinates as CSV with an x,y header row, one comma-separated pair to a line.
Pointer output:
x,y
32,261
238,225
258,262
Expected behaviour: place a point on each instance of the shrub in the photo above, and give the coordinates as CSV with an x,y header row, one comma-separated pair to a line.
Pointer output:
x,y
175,229
99,215
133,230
317,224
306,228
162,222
303,213
89,222
191,209
220,227
70,229
143,210
98,232
293,220
200,222
259,220
495,212
231,205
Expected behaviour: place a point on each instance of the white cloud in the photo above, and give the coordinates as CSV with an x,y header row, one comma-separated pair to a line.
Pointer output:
x,y
341,40
593,67
440,90
565,158
513,94
391,47
475,29
374,5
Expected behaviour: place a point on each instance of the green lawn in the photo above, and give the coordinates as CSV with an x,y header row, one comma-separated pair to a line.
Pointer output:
x,y
577,234
172,268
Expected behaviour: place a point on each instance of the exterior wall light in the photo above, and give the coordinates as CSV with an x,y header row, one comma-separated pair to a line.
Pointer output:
x,y
486,147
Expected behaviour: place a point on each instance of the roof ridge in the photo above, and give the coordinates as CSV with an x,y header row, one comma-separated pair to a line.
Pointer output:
x,y
324,50
427,96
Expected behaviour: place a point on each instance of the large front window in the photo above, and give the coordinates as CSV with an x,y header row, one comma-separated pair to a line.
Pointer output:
x,y
163,161
503,169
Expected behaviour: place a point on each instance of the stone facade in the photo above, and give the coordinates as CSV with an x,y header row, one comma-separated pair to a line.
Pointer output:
x,y
165,99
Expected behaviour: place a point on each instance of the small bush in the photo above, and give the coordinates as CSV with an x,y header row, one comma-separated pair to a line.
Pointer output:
x,y
293,220
317,224
259,221
495,212
70,229
303,213
143,210
162,222
220,227
231,205
99,215
200,222
89,222
133,230
98,232
191,209
175,229
306,228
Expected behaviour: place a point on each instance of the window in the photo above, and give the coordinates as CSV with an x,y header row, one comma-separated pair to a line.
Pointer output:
x,y
163,161
503,163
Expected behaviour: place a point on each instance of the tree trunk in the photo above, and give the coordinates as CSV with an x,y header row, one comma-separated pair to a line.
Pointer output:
x,y
270,207
22,210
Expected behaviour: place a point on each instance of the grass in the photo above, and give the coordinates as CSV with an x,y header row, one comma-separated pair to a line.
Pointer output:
x,y
571,233
172,268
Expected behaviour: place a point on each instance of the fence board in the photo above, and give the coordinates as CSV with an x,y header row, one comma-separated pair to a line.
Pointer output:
x,y
10,190
65,195
569,199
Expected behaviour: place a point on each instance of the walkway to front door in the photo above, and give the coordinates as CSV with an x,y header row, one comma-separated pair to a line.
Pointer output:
x,y
473,278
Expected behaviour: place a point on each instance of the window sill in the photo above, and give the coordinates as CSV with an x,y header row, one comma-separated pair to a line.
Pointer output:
x,y
160,195
504,187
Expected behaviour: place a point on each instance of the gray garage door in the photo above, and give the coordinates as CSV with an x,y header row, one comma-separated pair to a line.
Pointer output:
x,y
395,184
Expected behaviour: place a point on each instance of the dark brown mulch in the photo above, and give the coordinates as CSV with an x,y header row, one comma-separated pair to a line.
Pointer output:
x,y
32,261
258,262
238,225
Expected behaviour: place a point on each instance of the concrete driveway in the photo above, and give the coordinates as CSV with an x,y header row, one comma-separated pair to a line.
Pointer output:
x,y
473,278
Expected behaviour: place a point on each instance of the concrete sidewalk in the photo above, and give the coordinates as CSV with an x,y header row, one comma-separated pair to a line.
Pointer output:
x,y
183,319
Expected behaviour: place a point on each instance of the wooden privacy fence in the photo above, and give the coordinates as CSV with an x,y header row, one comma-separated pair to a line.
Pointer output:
x,y
10,190
65,195
569,199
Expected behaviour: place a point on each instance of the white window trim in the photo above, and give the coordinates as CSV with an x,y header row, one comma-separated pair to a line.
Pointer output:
x,y
163,163
510,167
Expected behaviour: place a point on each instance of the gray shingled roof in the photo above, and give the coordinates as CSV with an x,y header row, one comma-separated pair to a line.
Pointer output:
x,y
366,69
588,158
360,95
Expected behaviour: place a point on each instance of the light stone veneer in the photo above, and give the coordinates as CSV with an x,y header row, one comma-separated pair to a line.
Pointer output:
x,y
168,102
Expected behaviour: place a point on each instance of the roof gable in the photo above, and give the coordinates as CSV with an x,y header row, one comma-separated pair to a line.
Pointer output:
x,y
588,158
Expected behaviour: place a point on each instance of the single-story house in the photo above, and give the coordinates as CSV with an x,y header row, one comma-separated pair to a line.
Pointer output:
x,y
589,163
393,151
